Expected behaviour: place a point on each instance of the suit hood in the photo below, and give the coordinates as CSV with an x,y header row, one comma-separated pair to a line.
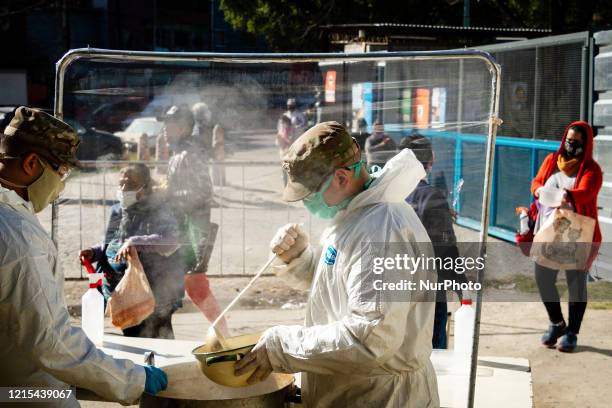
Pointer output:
x,y
588,143
393,183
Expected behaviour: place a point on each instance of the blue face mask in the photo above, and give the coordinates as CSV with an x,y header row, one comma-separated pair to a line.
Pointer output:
x,y
315,202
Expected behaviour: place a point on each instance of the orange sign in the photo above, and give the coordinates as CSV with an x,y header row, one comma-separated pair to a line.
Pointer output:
x,y
421,107
330,86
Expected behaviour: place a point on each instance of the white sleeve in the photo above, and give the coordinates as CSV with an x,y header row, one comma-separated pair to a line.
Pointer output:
x,y
368,336
41,329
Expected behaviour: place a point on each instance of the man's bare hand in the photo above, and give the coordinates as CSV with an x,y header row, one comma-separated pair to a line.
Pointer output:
x,y
289,242
256,359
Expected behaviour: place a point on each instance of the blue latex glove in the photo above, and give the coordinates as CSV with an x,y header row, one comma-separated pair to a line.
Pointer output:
x,y
156,380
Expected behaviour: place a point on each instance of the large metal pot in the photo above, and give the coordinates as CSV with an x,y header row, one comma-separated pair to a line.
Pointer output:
x,y
188,387
275,399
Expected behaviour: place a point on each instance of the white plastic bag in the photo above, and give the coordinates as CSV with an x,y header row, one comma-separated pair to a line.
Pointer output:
x,y
132,300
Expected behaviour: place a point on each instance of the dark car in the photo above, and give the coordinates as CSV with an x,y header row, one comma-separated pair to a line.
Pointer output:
x,y
97,144
112,116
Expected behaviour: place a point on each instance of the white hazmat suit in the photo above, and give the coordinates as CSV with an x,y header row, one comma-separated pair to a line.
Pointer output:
x,y
354,351
38,346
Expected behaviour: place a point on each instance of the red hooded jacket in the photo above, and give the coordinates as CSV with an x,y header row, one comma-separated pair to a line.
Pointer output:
x,y
588,180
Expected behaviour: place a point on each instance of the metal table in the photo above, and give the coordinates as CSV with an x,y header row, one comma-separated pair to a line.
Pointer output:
x,y
500,382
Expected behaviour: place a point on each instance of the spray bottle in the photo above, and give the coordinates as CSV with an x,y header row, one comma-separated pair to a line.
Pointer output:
x,y
523,220
92,306
462,353
464,334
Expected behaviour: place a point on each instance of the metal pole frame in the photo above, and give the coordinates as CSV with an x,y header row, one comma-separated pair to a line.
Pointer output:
x,y
494,122
584,87
536,93
261,58
591,84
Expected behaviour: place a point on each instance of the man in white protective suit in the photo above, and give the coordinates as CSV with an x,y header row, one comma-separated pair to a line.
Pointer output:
x,y
359,346
38,345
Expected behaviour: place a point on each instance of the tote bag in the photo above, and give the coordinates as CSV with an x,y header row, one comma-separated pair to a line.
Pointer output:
x,y
564,241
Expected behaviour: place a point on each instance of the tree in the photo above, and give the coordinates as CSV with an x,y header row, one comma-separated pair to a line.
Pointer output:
x,y
297,25
290,25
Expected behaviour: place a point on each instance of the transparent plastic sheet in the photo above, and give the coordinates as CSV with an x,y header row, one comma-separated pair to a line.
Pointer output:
x,y
449,97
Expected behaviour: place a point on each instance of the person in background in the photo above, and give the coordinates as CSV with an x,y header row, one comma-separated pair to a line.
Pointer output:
x,y
38,345
218,148
202,127
144,222
362,133
431,205
283,139
297,118
571,168
379,147
212,138
189,189
519,120
291,123
356,347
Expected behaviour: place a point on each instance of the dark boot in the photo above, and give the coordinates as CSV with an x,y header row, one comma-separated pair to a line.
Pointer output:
x,y
568,342
549,339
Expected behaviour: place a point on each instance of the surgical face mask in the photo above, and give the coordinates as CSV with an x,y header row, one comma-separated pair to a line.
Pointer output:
x,y
315,202
44,190
127,198
573,148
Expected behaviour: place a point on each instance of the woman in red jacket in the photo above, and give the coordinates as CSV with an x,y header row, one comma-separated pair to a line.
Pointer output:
x,y
572,169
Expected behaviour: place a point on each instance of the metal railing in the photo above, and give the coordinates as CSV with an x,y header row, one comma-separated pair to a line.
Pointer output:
x,y
510,190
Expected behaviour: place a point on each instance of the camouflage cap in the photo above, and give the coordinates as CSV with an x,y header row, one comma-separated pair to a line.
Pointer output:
x,y
314,156
46,135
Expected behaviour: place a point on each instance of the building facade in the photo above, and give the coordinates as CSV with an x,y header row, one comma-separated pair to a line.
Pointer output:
x,y
35,36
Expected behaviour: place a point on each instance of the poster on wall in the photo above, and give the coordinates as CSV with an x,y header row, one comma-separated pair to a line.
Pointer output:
x,y
330,86
518,118
356,105
520,95
406,106
361,103
438,107
421,107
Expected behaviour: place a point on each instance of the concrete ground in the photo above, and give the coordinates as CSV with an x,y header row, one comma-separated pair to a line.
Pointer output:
x,y
579,379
